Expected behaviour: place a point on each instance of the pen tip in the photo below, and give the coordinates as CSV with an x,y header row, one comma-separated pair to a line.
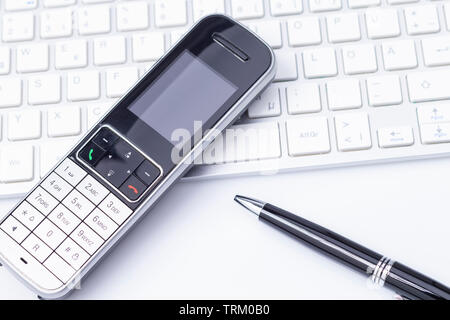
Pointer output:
x,y
250,204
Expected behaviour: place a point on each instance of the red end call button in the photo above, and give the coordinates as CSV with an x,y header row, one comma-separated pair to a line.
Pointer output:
x,y
133,188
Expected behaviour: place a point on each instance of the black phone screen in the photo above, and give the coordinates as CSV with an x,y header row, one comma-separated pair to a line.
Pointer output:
x,y
188,90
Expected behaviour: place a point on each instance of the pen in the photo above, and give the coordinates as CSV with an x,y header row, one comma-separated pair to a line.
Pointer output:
x,y
409,284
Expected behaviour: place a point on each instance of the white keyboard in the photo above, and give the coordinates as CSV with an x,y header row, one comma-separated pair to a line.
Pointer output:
x,y
358,81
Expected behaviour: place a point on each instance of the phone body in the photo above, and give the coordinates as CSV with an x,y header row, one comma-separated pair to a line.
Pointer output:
x,y
124,164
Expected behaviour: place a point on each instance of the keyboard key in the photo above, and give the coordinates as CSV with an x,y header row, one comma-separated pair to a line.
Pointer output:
x,y
64,219
110,50
304,31
447,14
56,186
28,215
269,31
95,112
56,23
344,94
434,113
44,89
324,5
246,143
101,224
59,268
353,132
5,60
78,204
287,66
148,46
247,9
435,133
83,85
71,54
15,5
52,153
15,229
359,59
24,125
401,1
70,172
57,3
32,57
86,238
422,20
343,27
399,55
72,253
319,63
303,98
92,189
10,92
18,26
384,91
63,122
436,51
176,35
428,86
355,4
203,8
120,80
115,209
382,23
285,7
266,105
50,234
94,20
308,136
395,137
170,13
42,200
132,16
16,163
36,248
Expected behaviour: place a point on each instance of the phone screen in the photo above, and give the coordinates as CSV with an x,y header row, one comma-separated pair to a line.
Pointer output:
x,y
189,90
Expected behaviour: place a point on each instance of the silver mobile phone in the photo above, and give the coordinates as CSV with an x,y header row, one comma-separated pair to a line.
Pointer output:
x,y
118,171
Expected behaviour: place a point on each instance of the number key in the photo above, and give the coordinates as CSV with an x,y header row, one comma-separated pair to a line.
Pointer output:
x,y
56,186
50,234
70,172
42,200
36,247
78,204
92,189
72,253
28,215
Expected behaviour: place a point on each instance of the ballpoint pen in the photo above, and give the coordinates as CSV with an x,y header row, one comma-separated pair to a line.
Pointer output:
x,y
409,284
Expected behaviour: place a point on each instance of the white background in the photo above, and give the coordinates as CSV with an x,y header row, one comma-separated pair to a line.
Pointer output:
x,y
199,244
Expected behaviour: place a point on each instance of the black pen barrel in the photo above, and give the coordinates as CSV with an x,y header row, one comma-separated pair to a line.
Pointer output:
x,y
327,241
414,285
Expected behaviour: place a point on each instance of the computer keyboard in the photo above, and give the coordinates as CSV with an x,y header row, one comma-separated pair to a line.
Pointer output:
x,y
358,81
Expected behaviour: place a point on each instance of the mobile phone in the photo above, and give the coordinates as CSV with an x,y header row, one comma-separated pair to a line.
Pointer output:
x,y
125,163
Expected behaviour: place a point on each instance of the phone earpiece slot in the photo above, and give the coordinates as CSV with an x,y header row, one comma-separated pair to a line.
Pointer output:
x,y
238,53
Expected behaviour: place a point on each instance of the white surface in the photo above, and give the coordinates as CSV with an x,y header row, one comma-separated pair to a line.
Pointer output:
x,y
198,243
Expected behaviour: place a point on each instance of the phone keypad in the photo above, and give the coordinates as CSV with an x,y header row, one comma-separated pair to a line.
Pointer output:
x,y
66,220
